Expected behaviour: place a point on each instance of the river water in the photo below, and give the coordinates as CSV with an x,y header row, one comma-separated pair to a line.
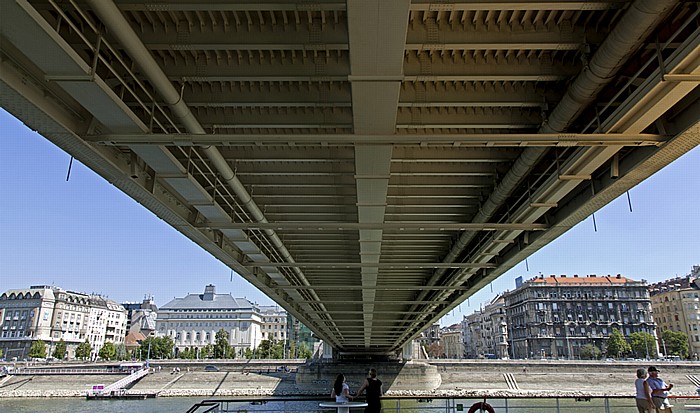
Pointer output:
x,y
181,404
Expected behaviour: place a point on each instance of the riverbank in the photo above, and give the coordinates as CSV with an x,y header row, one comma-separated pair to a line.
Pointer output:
x,y
459,378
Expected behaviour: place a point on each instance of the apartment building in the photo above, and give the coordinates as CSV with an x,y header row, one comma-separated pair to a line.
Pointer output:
x,y
274,323
676,306
486,331
555,316
51,314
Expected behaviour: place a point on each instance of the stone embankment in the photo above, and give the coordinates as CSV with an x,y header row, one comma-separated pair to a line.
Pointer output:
x,y
459,378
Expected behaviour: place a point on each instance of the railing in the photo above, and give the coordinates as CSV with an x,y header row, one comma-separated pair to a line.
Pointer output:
x,y
30,371
120,384
425,404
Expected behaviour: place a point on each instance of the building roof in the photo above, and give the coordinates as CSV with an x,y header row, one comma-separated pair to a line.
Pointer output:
x,y
134,338
207,301
589,279
687,282
35,292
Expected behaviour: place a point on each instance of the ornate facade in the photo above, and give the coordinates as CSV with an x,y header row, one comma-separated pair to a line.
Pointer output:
x,y
486,331
676,305
556,316
51,314
194,320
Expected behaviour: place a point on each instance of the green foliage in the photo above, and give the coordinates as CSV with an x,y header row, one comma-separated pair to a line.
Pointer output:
x,y
108,351
206,351
270,349
590,352
617,346
189,353
277,350
248,353
263,350
1,353
676,343
59,352
160,348
221,346
38,349
292,350
83,350
304,351
643,344
122,352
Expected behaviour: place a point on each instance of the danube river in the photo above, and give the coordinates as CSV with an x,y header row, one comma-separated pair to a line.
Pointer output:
x,y
182,404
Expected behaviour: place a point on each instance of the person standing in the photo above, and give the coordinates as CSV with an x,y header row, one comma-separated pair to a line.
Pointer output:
x,y
659,390
374,389
643,397
341,390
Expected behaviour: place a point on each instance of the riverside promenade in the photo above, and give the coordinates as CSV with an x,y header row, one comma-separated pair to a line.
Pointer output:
x,y
468,378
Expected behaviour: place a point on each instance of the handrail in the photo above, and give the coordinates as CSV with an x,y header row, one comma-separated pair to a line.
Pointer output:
x,y
122,383
30,371
420,404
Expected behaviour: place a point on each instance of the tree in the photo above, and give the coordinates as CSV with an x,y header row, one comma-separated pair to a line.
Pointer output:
x,y
305,352
435,350
206,351
108,351
265,349
271,349
277,350
122,352
221,346
292,350
188,353
617,345
160,348
643,344
60,351
38,349
590,352
83,350
676,343
1,353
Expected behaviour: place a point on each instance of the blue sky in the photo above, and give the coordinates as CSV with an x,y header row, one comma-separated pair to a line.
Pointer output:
x,y
86,235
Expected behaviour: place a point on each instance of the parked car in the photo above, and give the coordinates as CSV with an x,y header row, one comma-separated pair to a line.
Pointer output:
x,y
211,368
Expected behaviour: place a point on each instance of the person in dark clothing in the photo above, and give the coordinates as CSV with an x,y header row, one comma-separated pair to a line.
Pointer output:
x,y
374,389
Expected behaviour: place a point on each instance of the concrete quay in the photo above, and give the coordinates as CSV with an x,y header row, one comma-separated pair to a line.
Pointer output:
x,y
467,378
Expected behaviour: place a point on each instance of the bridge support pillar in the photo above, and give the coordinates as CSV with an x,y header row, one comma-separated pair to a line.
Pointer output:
x,y
319,375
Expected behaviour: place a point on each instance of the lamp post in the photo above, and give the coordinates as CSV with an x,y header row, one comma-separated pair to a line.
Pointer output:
x,y
663,345
646,341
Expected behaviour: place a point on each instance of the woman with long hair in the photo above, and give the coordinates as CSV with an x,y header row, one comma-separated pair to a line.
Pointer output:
x,y
341,390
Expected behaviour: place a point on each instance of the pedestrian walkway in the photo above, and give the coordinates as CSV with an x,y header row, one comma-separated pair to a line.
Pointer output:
x,y
123,383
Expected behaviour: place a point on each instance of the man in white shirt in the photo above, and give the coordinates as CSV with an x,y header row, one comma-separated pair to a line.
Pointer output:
x,y
659,390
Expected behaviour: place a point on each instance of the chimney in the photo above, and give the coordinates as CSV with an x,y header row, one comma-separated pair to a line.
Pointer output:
x,y
209,292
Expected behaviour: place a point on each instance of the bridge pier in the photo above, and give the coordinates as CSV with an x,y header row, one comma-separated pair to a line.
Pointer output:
x,y
319,375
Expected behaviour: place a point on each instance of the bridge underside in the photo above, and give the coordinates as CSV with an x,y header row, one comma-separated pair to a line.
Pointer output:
x,y
367,164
